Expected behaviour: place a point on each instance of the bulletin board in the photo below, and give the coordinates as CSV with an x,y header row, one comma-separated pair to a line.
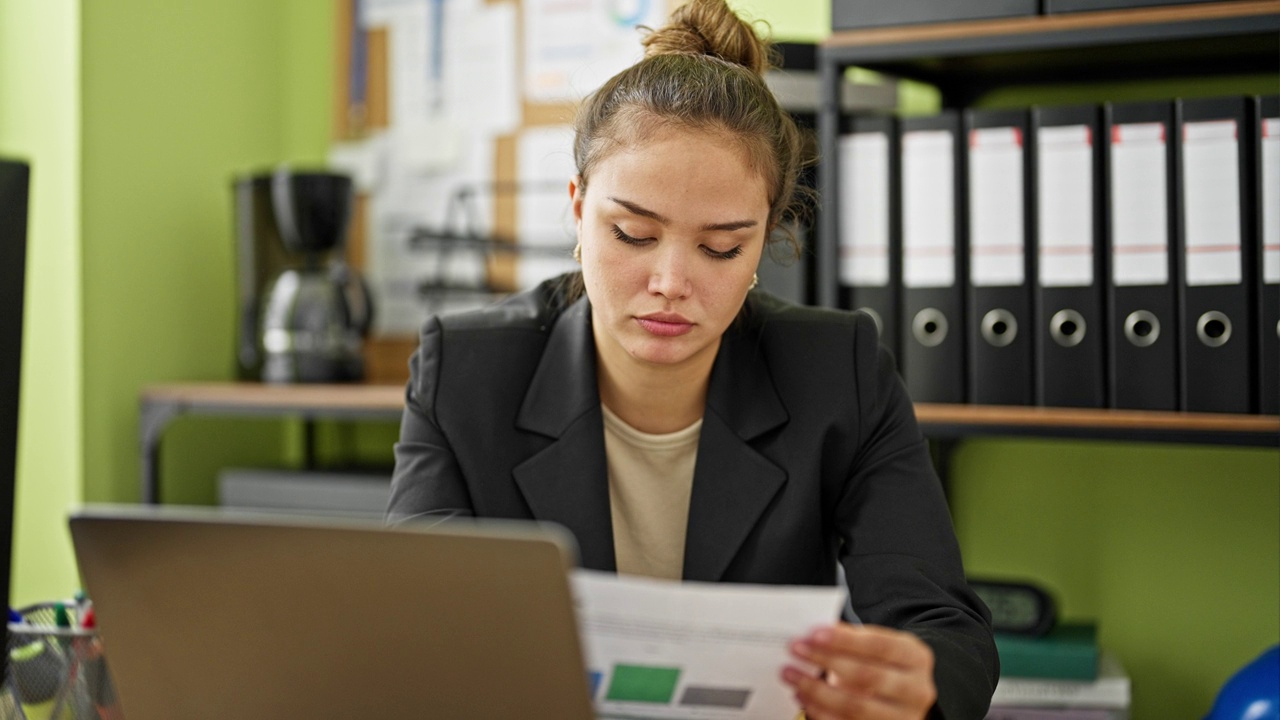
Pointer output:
x,y
453,117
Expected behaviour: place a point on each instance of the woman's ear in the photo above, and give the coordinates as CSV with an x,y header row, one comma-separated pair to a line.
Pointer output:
x,y
576,191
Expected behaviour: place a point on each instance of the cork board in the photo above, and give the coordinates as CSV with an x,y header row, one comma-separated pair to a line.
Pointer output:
x,y
364,104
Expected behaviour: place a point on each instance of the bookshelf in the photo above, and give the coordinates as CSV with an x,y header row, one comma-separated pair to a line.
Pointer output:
x,y
161,405
965,60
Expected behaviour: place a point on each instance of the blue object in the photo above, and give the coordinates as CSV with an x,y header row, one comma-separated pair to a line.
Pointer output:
x,y
1253,693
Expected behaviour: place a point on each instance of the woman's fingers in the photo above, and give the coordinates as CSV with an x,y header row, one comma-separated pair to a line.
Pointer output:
x,y
870,672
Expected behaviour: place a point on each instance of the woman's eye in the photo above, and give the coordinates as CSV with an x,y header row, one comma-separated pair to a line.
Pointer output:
x,y
617,232
725,255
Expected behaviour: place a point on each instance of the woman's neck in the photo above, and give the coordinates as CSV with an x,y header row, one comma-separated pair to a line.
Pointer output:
x,y
654,398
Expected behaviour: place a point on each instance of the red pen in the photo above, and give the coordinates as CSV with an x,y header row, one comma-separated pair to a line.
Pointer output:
x,y
96,674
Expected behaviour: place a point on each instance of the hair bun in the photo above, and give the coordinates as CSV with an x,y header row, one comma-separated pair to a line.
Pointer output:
x,y
709,27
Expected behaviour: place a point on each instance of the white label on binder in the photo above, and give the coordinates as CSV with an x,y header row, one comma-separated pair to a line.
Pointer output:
x,y
1065,172
1139,204
864,209
996,242
1271,201
1211,201
928,209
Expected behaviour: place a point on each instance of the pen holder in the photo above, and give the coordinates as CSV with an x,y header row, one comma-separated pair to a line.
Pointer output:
x,y
56,673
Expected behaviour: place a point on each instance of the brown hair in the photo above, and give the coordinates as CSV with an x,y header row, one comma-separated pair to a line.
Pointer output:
x,y
703,70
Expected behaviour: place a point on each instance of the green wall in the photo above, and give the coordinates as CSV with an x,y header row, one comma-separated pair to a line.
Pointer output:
x,y
178,98
40,122
137,114
1174,550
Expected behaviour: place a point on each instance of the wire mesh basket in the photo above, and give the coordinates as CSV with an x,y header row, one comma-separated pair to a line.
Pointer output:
x,y
56,673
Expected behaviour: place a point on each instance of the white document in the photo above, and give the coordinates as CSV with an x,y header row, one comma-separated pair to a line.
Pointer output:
x,y
1211,202
1066,208
459,201
997,245
544,213
928,209
572,46
480,52
661,649
864,210
1139,205
1271,201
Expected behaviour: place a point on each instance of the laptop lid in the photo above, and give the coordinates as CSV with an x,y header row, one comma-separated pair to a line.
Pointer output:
x,y
208,614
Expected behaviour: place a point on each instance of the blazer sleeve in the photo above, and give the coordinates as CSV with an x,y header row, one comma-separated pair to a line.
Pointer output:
x,y
900,552
427,483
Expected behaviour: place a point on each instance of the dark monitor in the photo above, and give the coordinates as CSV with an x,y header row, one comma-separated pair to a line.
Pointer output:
x,y
14,177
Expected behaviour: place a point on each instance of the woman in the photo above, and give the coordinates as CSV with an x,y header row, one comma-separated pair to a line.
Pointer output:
x,y
683,426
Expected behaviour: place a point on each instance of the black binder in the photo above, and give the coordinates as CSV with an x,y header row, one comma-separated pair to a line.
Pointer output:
x,y
1000,337
1142,294
870,223
1216,248
933,262
1070,278
1268,198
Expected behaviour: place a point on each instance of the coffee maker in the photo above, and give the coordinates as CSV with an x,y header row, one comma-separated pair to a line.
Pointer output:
x,y
303,313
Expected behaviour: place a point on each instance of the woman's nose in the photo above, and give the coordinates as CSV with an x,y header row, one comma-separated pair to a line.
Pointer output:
x,y
670,276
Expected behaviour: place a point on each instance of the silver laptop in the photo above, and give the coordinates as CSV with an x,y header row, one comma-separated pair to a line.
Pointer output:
x,y
234,615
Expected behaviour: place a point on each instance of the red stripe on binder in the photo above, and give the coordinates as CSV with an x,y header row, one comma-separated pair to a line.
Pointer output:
x,y
1066,250
864,251
1212,248
1125,249
996,249
936,250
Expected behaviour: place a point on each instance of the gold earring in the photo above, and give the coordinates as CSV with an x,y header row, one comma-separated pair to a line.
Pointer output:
x,y
755,280
577,253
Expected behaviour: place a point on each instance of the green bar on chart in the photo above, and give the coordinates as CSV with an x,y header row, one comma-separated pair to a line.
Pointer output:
x,y
640,683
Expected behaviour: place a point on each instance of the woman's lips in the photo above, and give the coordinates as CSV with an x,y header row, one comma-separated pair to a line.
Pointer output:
x,y
665,325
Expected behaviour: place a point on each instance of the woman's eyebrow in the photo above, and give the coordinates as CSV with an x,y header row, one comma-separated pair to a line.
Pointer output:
x,y
645,212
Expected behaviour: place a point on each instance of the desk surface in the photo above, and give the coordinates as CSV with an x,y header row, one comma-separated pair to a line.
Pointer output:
x,y
936,420
161,404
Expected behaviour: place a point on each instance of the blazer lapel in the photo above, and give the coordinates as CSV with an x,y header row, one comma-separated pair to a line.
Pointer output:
x,y
732,483
567,482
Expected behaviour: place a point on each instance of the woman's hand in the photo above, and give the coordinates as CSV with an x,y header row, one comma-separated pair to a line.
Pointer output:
x,y
871,673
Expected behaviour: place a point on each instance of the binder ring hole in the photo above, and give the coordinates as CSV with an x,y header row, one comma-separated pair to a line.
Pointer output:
x,y
1142,328
999,327
929,327
875,317
1214,329
1067,328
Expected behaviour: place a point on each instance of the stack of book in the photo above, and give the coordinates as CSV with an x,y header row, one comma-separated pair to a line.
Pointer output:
x,y
1063,675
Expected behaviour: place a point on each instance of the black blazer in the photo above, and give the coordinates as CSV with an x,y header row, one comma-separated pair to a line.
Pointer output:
x,y
809,455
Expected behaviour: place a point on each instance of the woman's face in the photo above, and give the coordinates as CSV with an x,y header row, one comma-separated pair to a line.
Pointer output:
x,y
671,233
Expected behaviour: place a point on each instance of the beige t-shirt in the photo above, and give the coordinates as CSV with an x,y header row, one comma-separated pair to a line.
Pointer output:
x,y
650,480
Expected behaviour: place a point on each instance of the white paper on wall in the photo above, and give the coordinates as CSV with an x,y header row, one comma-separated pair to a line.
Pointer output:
x,y
544,213
572,46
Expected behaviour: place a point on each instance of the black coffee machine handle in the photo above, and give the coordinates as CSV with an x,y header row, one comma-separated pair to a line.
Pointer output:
x,y
359,299
283,206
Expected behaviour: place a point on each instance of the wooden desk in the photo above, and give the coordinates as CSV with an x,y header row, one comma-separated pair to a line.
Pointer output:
x,y
162,404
